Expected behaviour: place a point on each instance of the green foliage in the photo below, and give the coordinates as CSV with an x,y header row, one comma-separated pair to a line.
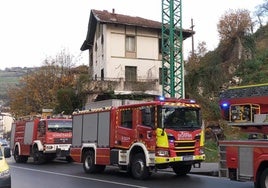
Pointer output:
x,y
206,76
67,101
249,43
211,151
254,71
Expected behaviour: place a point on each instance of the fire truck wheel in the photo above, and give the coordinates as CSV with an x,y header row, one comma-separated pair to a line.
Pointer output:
x,y
19,158
89,163
181,170
138,167
264,178
38,157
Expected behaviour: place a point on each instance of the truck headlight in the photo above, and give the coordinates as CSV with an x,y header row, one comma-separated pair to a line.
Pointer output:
x,y
171,138
49,147
198,136
162,153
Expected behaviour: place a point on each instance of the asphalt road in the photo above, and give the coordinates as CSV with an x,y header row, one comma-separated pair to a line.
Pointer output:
x,y
59,174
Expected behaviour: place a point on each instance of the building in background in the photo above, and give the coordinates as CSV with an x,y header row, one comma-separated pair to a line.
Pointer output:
x,y
125,54
6,121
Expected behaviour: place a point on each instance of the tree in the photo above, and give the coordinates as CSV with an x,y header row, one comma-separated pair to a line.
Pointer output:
x,y
52,86
38,90
234,24
67,101
262,12
234,27
200,51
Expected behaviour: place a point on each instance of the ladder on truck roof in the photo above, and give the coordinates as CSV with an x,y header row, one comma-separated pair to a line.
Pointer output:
x,y
257,90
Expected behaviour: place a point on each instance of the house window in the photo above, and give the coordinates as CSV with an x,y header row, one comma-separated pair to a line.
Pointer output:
x,y
126,118
131,73
130,43
102,40
91,60
160,45
102,74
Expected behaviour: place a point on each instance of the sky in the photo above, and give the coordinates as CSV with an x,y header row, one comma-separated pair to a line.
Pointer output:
x,y
33,30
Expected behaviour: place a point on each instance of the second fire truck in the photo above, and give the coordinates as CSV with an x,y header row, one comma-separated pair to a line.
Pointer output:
x,y
246,107
139,138
42,139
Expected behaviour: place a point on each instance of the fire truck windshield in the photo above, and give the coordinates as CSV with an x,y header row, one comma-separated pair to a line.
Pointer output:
x,y
178,118
59,126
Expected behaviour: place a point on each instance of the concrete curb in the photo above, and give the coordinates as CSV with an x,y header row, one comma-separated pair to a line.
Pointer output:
x,y
208,169
210,173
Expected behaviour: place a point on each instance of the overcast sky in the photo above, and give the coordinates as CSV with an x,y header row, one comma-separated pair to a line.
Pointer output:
x,y
32,30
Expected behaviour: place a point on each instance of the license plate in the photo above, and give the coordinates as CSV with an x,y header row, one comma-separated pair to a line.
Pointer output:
x,y
187,158
63,146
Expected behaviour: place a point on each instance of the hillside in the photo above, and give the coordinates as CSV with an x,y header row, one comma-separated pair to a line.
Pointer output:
x,y
223,67
10,78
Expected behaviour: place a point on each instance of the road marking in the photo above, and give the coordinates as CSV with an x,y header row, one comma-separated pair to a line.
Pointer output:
x,y
79,177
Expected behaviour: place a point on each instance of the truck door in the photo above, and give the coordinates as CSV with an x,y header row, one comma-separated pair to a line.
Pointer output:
x,y
41,130
146,125
125,134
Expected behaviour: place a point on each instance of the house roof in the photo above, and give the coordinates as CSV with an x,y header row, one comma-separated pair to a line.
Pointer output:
x,y
114,18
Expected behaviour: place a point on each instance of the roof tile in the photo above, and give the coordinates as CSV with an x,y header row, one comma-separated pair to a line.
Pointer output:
x,y
111,17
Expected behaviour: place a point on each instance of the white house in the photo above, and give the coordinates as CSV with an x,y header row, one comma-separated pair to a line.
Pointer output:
x,y
126,50
6,121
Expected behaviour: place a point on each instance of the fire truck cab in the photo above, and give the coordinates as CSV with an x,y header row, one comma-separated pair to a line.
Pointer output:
x,y
139,137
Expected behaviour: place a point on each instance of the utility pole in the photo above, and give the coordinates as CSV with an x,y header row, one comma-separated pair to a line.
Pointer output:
x,y
172,54
192,28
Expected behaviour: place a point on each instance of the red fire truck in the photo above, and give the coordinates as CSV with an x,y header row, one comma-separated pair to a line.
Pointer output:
x,y
139,137
246,160
42,139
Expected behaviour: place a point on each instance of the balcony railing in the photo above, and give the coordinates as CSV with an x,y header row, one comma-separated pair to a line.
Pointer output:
x,y
112,84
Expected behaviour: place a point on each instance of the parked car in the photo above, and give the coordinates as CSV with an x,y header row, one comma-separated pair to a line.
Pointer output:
x,y
5,177
4,142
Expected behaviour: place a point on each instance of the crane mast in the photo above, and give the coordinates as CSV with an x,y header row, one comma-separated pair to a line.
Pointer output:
x,y
172,56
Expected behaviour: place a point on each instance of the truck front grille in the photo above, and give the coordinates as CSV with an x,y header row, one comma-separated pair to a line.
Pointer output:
x,y
184,148
62,140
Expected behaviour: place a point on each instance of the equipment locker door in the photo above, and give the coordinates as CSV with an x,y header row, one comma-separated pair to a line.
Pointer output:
x,y
125,133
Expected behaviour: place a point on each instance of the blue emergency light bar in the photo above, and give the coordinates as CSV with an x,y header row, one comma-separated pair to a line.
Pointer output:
x,y
163,99
224,105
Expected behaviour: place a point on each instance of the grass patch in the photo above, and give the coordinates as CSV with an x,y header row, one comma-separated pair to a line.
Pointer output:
x,y
211,151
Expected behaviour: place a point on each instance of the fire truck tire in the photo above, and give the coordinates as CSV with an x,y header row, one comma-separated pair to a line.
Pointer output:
x,y
264,179
181,170
19,158
89,163
139,170
38,156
